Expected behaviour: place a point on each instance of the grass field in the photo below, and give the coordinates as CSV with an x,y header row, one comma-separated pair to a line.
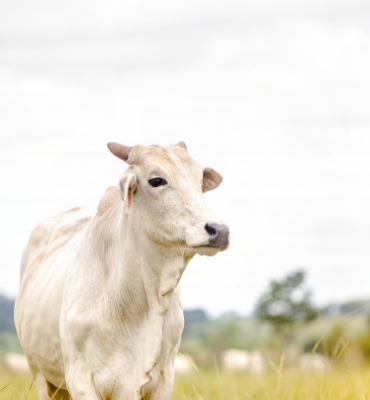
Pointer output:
x,y
338,384
289,385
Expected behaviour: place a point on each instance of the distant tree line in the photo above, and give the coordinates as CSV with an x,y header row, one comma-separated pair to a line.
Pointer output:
x,y
194,316
286,302
7,315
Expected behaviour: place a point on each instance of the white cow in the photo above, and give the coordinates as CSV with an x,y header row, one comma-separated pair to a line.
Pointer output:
x,y
314,363
184,364
15,363
98,313
233,360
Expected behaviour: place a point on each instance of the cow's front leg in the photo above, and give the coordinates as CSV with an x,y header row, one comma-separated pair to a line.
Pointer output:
x,y
164,388
80,383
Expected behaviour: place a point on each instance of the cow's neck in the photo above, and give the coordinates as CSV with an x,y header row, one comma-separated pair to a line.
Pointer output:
x,y
159,268
139,276
142,273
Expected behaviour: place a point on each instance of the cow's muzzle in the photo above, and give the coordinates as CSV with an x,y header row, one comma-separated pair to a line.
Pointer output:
x,y
218,236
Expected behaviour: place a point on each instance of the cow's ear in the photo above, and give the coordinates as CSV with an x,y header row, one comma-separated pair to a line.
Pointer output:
x,y
128,185
211,179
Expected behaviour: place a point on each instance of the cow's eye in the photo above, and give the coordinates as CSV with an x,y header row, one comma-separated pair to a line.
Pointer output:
x,y
155,182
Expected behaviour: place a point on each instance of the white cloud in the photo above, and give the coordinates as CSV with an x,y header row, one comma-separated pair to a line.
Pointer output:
x,y
81,17
278,105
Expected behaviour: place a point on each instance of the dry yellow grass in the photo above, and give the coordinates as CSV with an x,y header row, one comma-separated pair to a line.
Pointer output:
x,y
338,384
13,387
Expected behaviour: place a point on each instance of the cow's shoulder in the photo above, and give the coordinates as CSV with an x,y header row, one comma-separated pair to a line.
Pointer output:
x,y
53,233
63,226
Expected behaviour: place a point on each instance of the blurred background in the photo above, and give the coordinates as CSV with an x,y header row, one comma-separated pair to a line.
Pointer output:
x,y
275,95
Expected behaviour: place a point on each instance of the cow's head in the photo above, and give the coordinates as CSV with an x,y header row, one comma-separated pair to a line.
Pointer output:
x,y
163,191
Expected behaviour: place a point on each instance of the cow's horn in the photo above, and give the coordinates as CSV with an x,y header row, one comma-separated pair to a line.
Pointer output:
x,y
119,150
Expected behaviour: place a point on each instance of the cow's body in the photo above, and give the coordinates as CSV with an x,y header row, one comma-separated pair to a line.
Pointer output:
x,y
234,360
314,363
15,364
98,313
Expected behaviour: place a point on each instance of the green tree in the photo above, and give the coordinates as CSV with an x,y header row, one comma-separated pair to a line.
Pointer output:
x,y
286,302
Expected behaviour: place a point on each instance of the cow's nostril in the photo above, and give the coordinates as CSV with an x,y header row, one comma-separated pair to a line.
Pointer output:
x,y
218,235
211,230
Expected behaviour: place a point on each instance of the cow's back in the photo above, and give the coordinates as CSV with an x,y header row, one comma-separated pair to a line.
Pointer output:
x,y
43,270
52,234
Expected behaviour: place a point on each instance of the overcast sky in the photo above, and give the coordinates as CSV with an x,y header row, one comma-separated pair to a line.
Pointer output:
x,y
275,95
